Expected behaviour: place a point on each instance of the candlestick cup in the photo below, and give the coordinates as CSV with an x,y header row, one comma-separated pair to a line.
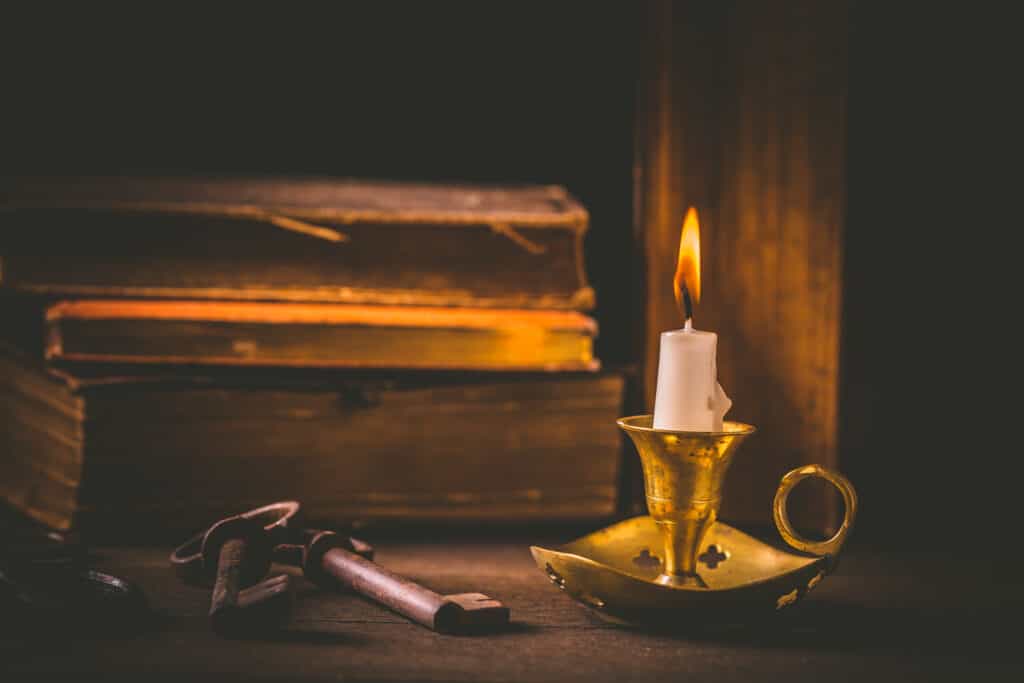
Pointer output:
x,y
683,477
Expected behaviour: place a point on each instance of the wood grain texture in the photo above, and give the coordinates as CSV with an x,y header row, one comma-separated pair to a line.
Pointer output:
x,y
879,617
745,119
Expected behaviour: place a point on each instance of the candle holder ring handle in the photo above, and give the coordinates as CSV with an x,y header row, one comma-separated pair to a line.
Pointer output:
x,y
789,535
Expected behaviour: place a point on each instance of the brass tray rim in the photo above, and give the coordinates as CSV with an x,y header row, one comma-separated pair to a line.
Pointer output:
x,y
814,559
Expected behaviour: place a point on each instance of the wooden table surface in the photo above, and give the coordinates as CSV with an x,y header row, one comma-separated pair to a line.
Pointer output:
x,y
882,616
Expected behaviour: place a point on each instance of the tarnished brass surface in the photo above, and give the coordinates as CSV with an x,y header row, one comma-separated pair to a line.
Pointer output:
x,y
616,571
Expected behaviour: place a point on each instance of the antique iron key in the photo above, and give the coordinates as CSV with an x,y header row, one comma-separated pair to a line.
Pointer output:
x,y
329,560
236,553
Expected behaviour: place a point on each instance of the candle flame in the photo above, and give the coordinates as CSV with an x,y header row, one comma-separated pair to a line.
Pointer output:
x,y
686,283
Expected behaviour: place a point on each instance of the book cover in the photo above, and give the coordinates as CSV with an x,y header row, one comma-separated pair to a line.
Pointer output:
x,y
295,240
116,452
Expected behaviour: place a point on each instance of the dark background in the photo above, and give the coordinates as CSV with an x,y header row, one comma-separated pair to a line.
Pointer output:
x,y
544,92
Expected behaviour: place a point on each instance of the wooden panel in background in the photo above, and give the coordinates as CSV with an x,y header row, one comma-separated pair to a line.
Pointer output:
x,y
743,116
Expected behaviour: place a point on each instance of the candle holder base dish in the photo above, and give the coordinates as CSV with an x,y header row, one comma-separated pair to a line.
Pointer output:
x,y
682,564
617,572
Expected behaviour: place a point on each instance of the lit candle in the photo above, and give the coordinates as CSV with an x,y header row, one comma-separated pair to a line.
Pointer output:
x,y
688,396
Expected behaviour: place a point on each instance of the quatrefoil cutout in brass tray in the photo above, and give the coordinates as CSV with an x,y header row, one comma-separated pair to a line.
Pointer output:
x,y
615,570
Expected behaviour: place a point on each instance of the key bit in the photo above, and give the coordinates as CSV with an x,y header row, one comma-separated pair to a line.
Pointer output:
x,y
477,612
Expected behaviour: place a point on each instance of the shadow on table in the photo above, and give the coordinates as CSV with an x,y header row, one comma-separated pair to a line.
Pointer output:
x,y
827,625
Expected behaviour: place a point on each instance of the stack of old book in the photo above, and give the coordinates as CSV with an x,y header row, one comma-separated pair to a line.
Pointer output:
x,y
177,349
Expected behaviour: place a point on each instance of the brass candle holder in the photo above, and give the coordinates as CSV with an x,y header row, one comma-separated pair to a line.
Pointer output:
x,y
683,477
680,560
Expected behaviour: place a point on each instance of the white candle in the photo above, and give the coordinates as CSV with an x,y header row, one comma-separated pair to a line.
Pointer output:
x,y
688,396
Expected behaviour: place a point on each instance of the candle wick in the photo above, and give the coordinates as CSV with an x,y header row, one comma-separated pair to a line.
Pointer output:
x,y
687,303
688,326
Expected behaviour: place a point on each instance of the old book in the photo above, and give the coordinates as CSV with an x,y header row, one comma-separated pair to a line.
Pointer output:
x,y
108,452
295,240
319,335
